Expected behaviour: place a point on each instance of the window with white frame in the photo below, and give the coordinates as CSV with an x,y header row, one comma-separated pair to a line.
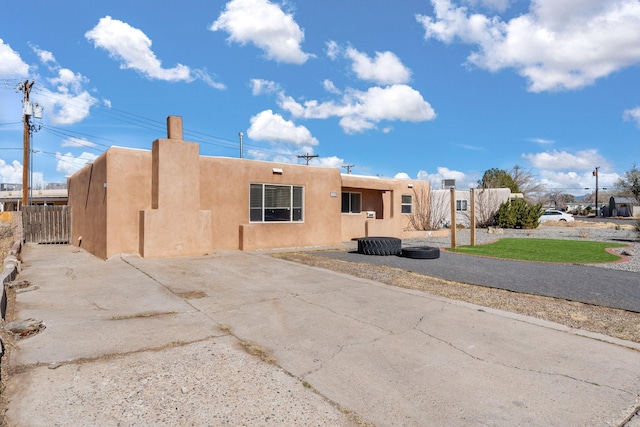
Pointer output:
x,y
461,205
351,202
407,204
276,203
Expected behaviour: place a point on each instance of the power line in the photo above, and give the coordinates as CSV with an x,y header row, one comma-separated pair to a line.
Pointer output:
x,y
137,120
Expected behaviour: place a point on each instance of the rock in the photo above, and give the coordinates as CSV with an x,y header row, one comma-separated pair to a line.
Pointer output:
x,y
25,328
18,284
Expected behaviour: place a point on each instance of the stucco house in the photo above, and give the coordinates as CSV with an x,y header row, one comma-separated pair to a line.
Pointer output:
x,y
487,202
171,201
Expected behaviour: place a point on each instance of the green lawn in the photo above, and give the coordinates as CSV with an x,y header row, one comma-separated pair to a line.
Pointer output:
x,y
545,250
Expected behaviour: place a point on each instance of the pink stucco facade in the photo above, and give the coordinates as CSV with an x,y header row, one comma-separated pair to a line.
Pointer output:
x,y
171,201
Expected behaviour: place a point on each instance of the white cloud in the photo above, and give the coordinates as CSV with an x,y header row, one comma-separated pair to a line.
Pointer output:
x,y
45,56
66,101
132,48
333,50
66,106
283,154
265,25
69,164
402,175
584,160
576,183
360,111
463,181
632,115
542,141
77,142
385,68
202,75
330,87
262,87
267,126
328,162
556,45
11,65
10,173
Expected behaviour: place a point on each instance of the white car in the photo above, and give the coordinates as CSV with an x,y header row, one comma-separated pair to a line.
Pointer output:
x,y
555,215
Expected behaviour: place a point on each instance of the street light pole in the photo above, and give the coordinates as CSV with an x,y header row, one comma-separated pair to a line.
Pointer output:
x,y
595,173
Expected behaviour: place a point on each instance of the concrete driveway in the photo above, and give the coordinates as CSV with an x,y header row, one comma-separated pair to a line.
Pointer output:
x,y
134,341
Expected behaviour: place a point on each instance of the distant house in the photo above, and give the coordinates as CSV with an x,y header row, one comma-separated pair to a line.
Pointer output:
x,y
487,202
622,206
171,201
11,196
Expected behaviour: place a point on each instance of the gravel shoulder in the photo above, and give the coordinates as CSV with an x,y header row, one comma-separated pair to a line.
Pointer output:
x,y
616,323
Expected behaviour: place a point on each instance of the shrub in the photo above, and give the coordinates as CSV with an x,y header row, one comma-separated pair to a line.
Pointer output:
x,y
518,214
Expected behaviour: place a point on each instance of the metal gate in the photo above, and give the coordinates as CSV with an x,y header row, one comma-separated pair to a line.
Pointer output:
x,y
46,224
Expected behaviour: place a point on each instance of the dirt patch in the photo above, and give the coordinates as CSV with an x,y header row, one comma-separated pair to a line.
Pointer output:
x,y
191,294
608,321
588,224
8,341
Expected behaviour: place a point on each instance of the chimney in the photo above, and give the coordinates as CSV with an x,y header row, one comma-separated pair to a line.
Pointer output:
x,y
174,127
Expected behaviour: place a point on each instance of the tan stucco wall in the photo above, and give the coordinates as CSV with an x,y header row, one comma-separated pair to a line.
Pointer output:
x,y
382,196
87,198
175,225
128,192
225,191
107,216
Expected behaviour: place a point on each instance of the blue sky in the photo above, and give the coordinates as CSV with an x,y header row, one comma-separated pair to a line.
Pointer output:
x,y
426,89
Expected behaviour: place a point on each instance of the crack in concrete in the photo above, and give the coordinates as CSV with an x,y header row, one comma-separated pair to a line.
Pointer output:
x,y
84,360
635,416
479,359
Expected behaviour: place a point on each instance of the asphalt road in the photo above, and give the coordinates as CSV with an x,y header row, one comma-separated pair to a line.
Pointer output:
x,y
574,282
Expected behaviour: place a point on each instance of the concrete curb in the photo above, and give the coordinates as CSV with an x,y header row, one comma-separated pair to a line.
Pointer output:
x,y
11,270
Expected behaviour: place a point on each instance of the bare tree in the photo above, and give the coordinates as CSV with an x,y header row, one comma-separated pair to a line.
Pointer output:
x,y
527,183
439,209
487,204
556,197
629,183
429,209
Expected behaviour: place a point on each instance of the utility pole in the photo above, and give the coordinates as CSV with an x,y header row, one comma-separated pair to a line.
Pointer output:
x,y
240,134
26,114
595,173
307,157
348,168
28,110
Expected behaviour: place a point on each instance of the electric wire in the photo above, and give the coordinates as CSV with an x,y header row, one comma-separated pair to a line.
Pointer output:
x,y
143,122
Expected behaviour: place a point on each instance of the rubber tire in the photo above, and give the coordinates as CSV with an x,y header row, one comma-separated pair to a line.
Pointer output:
x,y
381,246
421,252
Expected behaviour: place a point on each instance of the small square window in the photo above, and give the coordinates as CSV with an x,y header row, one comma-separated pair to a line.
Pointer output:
x,y
351,202
407,204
